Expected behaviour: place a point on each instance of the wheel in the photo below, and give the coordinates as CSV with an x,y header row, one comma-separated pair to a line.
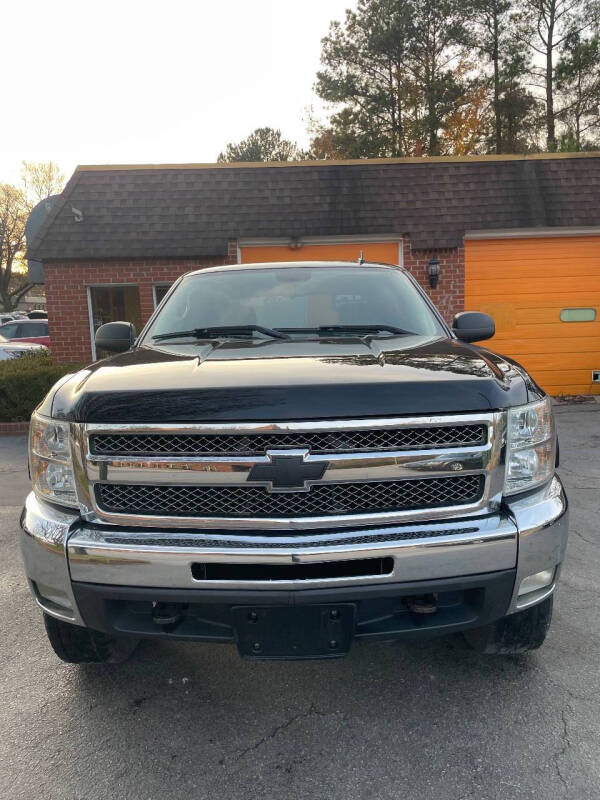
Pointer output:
x,y
77,645
517,633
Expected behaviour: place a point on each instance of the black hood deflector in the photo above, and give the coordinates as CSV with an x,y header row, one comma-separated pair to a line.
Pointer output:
x,y
337,377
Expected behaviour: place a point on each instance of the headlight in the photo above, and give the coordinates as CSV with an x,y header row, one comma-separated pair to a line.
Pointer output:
x,y
530,446
50,460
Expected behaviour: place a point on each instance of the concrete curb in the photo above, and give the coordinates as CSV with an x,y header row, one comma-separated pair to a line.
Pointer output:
x,y
585,403
13,428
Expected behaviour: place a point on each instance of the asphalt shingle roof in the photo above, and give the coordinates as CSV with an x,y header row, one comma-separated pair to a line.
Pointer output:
x,y
176,211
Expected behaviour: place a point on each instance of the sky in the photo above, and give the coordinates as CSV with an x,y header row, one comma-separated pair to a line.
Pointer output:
x,y
140,81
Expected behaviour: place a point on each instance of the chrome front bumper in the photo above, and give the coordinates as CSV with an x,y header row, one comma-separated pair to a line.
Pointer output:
x,y
529,533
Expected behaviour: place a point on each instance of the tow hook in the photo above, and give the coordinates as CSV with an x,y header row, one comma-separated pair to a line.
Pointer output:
x,y
422,604
164,614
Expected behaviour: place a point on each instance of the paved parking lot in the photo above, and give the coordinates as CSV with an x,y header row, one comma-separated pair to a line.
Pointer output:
x,y
415,720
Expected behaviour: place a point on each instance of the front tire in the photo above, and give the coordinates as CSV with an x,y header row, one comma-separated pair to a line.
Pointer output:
x,y
77,645
517,633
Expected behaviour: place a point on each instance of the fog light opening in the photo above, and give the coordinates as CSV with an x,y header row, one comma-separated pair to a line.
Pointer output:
x,y
534,583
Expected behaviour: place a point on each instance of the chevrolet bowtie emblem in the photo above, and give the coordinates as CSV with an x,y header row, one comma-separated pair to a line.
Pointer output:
x,y
288,472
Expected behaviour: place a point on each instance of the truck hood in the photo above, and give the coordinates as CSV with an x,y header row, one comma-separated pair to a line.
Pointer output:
x,y
333,377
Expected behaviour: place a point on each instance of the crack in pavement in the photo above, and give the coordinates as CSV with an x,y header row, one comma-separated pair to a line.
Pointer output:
x,y
557,683
581,536
564,749
312,711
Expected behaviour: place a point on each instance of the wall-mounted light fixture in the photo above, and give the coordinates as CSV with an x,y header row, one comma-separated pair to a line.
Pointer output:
x,y
433,269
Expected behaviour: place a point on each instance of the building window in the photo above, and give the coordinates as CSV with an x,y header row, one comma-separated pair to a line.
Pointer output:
x,y
113,303
160,290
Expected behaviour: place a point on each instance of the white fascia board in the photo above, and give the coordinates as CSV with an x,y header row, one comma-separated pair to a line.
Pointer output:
x,y
531,233
312,240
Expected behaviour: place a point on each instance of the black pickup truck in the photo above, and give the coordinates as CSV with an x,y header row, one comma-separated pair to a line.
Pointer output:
x,y
293,457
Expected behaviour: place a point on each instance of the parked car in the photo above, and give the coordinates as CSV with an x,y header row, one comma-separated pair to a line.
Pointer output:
x,y
37,313
292,457
26,330
15,349
6,318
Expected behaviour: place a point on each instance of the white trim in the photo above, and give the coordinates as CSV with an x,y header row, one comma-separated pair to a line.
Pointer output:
x,y
532,233
154,288
114,283
91,321
310,240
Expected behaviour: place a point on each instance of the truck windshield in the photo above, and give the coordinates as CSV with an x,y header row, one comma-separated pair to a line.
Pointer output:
x,y
317,300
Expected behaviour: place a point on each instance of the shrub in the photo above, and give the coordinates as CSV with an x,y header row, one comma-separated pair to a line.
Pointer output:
x,y
25,381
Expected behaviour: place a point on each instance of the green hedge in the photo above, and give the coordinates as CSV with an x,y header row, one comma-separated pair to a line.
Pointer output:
x,y
24,382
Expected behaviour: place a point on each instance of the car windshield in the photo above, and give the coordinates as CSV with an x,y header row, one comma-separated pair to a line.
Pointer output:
x,y
297,300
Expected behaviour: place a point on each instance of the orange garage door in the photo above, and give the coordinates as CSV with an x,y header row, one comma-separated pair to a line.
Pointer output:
x,y
537,289
386,252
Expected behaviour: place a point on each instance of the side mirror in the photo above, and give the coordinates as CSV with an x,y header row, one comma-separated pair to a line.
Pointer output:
x,y
473,326
116,337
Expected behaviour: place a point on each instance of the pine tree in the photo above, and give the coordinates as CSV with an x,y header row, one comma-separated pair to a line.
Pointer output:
x,y
263,144
578,89
512,106
389,71
546,26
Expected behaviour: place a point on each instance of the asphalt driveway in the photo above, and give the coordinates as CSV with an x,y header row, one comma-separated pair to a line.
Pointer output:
x,y
411,720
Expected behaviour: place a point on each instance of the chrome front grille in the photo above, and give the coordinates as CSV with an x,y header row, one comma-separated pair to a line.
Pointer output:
x,y
336,441
290,476
322,499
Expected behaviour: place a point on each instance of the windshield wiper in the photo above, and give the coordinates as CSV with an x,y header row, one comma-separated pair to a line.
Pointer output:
x,y
222,330
362,328
351,329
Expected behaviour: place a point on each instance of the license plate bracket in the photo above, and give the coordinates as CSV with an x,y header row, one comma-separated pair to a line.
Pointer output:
x,y
294,632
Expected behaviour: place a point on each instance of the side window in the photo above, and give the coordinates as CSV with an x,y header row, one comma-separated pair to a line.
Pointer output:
x,y
32,329
10,331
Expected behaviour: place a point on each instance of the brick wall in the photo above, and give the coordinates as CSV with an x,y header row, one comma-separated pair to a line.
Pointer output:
x,y
449,296
67,303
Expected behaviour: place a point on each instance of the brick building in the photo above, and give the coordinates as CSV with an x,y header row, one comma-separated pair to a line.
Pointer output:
x,y
516,236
